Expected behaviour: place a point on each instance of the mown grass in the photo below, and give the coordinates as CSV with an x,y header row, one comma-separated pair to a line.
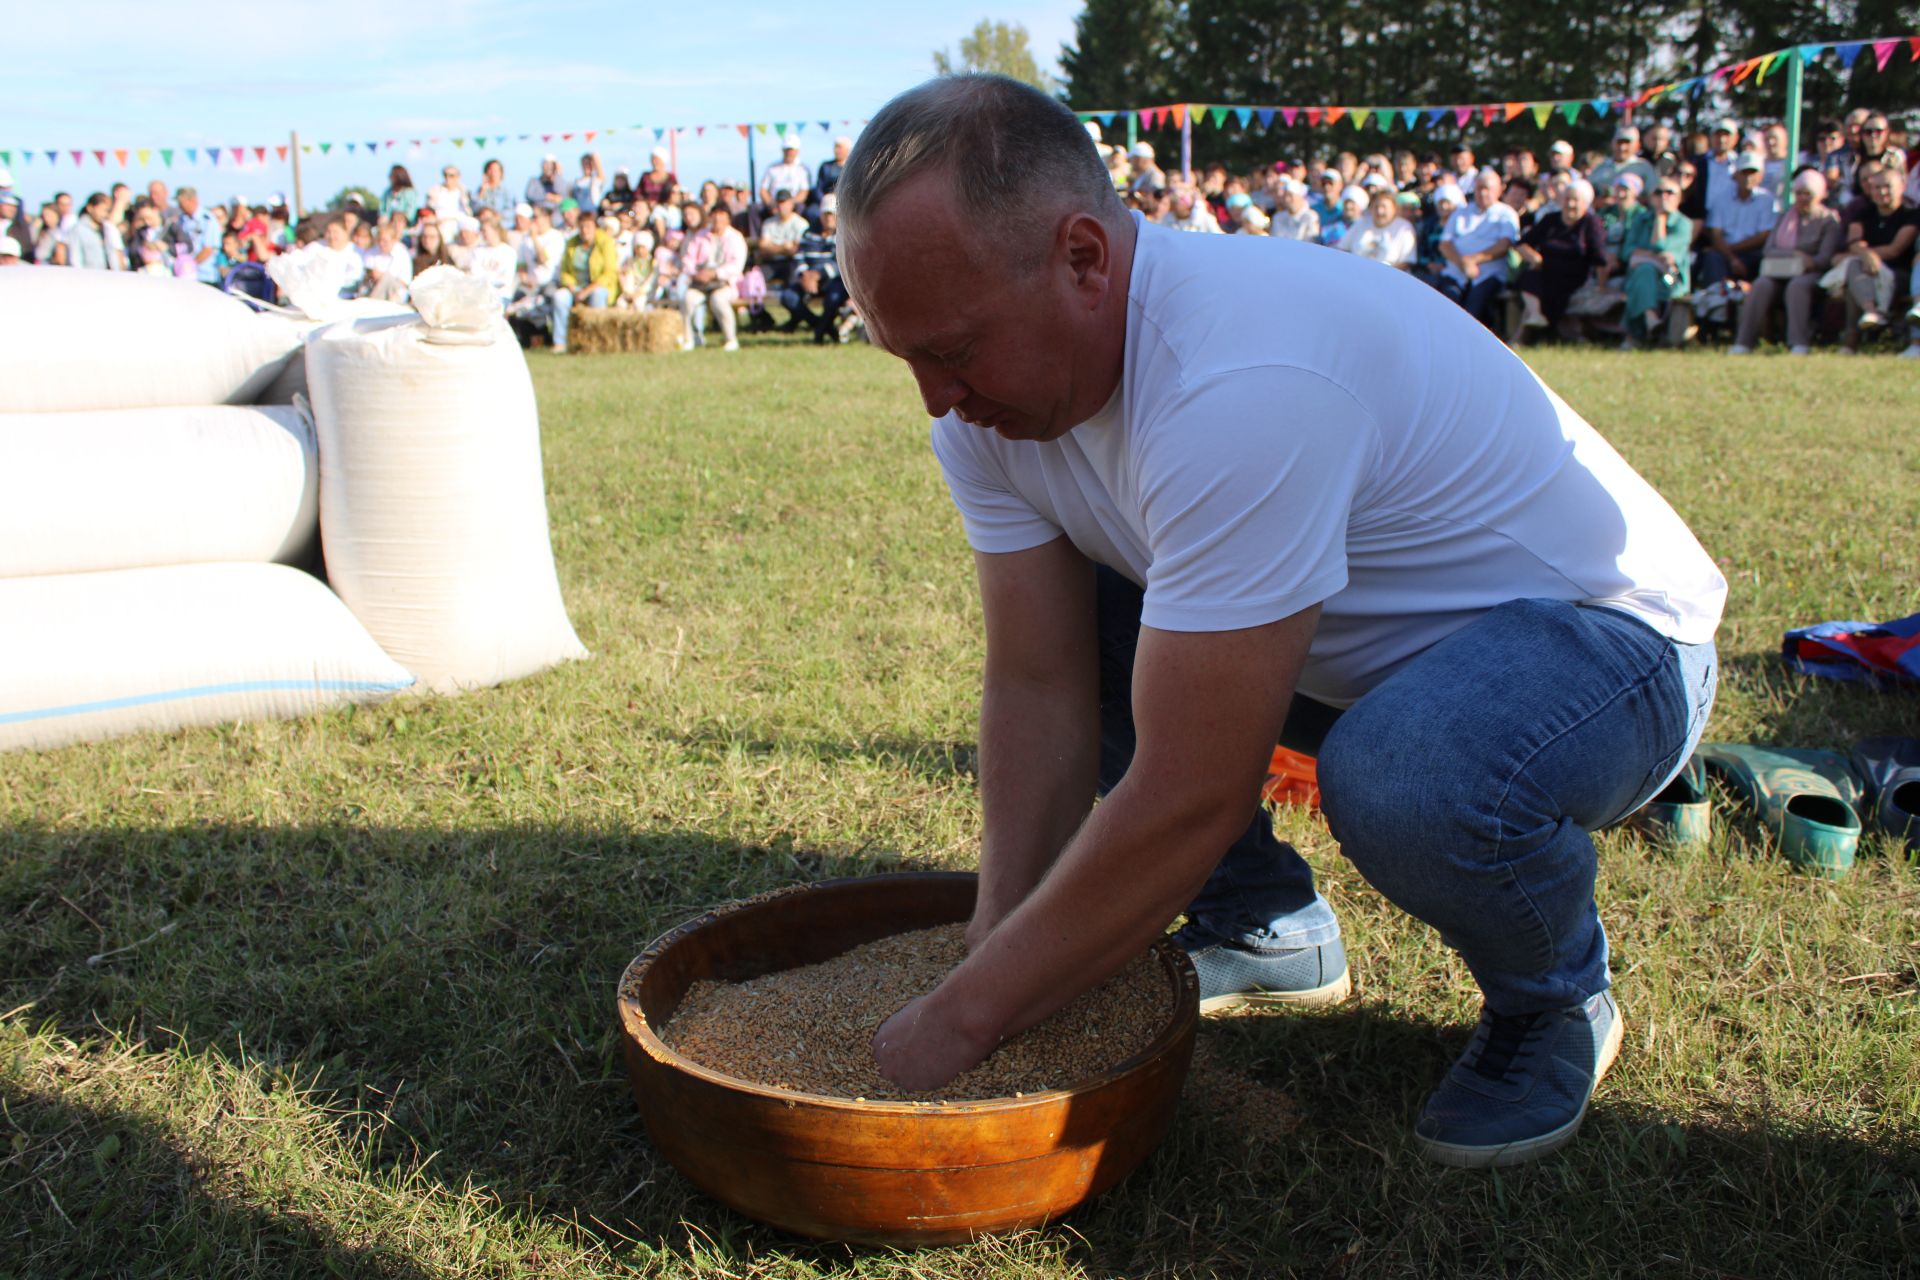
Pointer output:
x,y
365,1026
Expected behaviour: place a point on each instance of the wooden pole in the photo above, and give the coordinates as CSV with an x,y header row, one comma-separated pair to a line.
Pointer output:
x,y
293,150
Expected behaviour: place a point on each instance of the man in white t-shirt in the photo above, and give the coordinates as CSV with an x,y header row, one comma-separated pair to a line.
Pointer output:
x,y
1475,246
1203,524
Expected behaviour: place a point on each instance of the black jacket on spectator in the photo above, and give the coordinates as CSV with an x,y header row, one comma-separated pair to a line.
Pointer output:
x,y
1570,252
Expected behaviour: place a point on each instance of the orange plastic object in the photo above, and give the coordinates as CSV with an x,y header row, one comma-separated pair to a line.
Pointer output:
x,y
1293,778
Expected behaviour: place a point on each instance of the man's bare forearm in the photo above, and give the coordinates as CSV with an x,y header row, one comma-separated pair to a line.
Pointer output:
x,y
1039,764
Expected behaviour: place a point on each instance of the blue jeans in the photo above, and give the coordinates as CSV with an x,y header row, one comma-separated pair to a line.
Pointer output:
x,y
563,303
1476,297
1466,785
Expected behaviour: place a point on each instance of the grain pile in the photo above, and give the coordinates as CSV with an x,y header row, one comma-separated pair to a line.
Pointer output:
x,y
598,330
811,1029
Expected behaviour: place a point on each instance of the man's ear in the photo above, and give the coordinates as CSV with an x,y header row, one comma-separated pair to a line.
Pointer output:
x,y
1089,255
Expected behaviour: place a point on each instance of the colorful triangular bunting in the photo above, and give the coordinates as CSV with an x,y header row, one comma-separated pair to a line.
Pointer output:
x,y
1882,50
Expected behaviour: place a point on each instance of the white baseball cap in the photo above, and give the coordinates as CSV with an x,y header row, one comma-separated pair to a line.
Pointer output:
x,y
1748,160
829,203
660,153
1142,150
1562,147
6,177
790,143
1450,192
843,141
9,247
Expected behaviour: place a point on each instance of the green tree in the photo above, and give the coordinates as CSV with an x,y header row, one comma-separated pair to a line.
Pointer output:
x,y
1000,47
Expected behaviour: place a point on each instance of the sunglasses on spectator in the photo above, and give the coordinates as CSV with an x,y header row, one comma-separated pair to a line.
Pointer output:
x,y
1665,191
1873,128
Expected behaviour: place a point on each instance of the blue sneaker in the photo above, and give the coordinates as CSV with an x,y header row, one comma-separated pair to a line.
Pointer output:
x,y
1231,976
1521,1088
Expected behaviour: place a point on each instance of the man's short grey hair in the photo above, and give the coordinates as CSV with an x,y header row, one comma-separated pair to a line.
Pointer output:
x,y
1018,159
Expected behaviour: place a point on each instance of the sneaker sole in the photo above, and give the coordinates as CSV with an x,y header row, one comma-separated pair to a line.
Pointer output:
x,y
1332,993
1461,1156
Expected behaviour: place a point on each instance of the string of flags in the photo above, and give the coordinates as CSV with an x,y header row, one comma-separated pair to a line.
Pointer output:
x,y
232,155
1754,70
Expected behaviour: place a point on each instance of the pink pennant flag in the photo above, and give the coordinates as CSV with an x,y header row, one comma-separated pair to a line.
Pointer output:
x,y
700,130
101,156
239,153
566,137
1288,114
1146,117
1882,50
260,154
1461,115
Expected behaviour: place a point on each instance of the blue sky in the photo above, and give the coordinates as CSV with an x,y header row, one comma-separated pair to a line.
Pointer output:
x,y
114,74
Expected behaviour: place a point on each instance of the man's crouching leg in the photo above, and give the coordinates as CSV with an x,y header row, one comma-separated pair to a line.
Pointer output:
x,y
1464,788
1258,932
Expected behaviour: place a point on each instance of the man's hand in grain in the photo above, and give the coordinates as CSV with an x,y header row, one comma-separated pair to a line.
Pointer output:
x,y
921,1048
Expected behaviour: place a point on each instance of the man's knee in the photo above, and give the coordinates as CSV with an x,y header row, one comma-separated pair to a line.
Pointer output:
x,y
1390,793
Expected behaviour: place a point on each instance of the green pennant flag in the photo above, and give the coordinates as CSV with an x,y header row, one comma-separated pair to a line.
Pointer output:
x,y
1541,110
780,127
1359,116
166,153
1216,116
6,158
325,147
1086,117
478,142
1570,111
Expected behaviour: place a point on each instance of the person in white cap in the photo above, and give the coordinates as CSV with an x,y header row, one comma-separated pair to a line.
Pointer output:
x,y
1348,211
659,178
827,180
1560,156
789,175
9,252
1145,174
449,199
11,223
546,189
1737,229
1190,212
1295,218
1623,158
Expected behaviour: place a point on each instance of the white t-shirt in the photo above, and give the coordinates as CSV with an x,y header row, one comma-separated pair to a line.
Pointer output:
x,y
1472,229
494,263
551,244
1378,453
1392,244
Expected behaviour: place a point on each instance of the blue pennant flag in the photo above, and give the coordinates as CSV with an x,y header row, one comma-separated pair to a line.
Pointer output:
x,y
1107,118
1697,85
1410,116
1266,117
1434,115
1243,114
1808,52
1848,52
1601,106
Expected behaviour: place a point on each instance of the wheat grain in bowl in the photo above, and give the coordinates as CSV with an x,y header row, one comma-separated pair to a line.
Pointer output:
x,y
810,1029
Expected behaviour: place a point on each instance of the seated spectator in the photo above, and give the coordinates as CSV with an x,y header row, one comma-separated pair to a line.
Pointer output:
x,y
1527,198
1143,174
711,275
1327,189
493,260
430,247
789,175
11,251
88,245
569,215
1119,169
148,250
1383,234
1190,212
1429,262
827,181
589,274
466,241
50,243
493,193
1798,251
637,265
1295,218
1658,244
538,268
401,195
1879,252
620,196
546,189
232,252
591,185
1558,253
1475,246
11,223
1623,159
1254,222
816,277
780,236
1738,227
449,200
1627,189
1353,206
1874,132
659,179
344,264
251,227
1466,169
1656,148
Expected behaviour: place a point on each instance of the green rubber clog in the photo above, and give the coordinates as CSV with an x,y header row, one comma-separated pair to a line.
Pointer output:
x,y
1808,799
1680,814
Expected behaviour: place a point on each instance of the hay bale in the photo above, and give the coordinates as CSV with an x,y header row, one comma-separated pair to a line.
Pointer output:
x,y
595,331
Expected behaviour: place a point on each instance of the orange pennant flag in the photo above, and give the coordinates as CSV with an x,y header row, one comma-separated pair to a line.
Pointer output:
x,y
1515,110
120,154
1334,114
1180,115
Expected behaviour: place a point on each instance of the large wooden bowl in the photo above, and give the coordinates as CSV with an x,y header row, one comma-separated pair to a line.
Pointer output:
x,y
881,1172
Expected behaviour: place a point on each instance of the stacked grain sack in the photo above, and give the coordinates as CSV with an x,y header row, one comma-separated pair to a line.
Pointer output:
x,y
151,516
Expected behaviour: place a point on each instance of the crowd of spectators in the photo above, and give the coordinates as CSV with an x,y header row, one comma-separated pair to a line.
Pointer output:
x,y
1727,223
546,248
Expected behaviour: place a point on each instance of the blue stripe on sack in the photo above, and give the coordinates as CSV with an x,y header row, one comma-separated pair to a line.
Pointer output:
x,y
203,691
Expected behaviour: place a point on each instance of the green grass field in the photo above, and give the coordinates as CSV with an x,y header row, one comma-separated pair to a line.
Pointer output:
x,y
365,1023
